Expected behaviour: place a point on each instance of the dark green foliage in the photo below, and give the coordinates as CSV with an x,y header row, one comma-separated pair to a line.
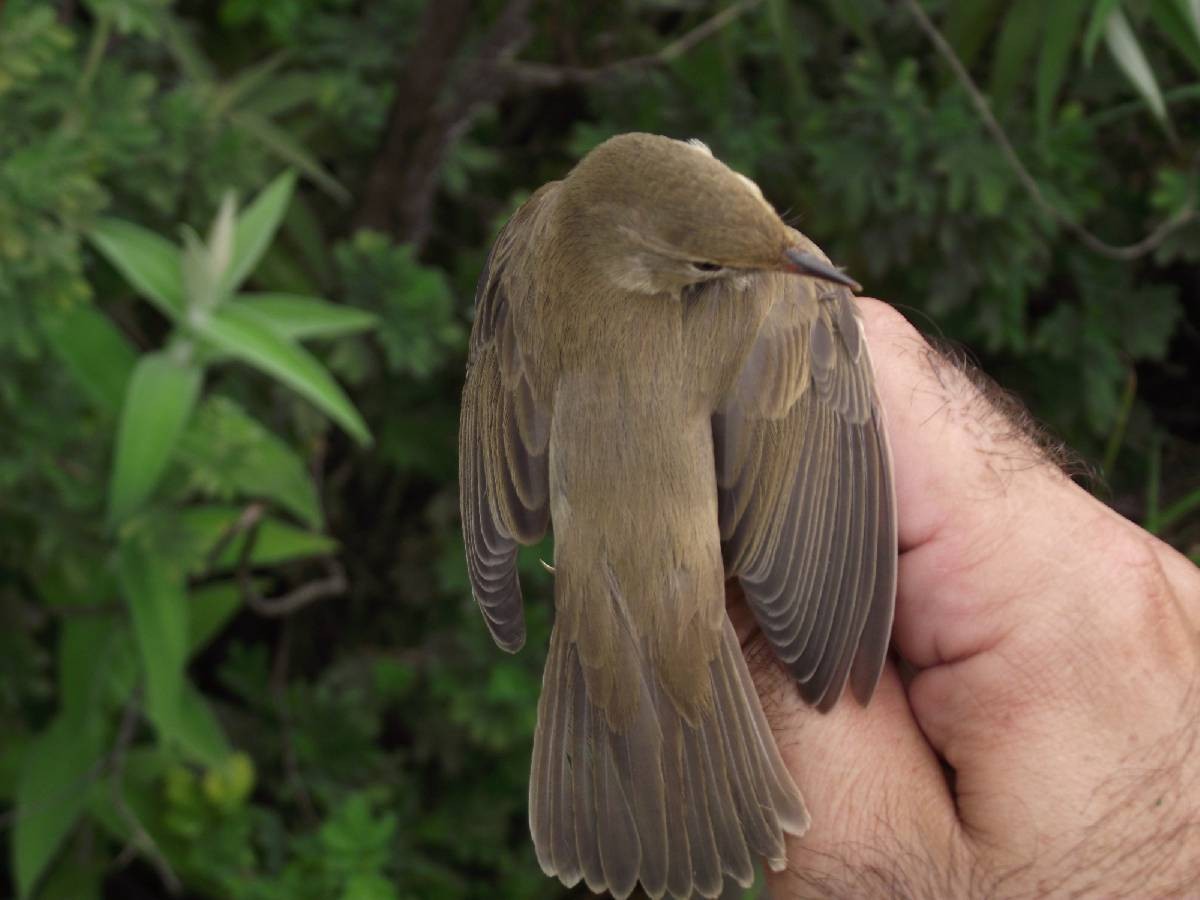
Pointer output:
x,y
238,655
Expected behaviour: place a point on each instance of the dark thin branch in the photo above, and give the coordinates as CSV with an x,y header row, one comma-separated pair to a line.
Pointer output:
x,y
1184,216
333,585
139,839
544,75
249,518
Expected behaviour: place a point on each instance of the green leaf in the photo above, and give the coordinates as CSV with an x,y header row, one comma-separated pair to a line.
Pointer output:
x,y
50,795
209,610
1124,46
198,732
256,228
158,401
1096,25
150,263
1061,31
290,151
86,645
243,333
277,542
230,94
968,25
94,351
1018,38
154,592
1190,9
1175,24
230,454
300,318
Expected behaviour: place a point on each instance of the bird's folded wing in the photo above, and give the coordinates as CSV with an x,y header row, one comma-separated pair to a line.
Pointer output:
x,y
503,437
807,511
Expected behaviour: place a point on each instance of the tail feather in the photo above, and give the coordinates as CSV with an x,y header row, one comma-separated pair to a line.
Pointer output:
x,y
680,808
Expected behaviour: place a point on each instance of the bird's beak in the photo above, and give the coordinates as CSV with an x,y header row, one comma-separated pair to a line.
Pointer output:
x,y
796,260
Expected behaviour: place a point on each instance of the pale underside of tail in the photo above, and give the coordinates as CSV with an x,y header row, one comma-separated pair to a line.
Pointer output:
x,y
684,809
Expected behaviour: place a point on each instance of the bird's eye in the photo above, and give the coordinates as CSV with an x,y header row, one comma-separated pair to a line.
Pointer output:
x,y
706,267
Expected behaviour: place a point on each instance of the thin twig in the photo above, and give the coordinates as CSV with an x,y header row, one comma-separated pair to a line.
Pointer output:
x,y
139,838
249,518
295,600
544,75
1184,216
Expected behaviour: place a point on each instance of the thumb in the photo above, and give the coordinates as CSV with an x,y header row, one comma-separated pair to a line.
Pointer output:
x,y
1052,640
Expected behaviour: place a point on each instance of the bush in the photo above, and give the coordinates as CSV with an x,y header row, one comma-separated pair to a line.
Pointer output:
x,y
238,654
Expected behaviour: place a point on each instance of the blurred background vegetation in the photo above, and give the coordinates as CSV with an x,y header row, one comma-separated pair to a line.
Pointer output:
x,y
238,244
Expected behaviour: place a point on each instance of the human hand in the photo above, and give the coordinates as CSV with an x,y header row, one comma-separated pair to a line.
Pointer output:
x,y
1057,655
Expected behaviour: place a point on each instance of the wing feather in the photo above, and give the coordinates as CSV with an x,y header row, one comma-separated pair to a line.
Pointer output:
x,y
806,503
503,435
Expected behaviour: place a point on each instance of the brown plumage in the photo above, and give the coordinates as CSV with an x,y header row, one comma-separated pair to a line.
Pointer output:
x,y
679,382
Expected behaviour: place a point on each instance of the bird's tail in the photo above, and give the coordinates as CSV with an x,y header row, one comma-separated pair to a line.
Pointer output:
x,y
683,809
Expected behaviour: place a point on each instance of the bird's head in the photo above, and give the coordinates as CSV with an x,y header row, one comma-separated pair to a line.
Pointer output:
x,y
653,214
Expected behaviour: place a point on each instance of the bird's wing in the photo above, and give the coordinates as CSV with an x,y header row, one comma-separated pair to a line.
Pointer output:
x,y
807,511
503,434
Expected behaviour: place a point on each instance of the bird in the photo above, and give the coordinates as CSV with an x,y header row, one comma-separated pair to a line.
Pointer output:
x,y
676,382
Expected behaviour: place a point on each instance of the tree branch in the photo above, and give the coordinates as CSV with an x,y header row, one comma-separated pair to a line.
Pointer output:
x,y
425,121
1184,216
544,75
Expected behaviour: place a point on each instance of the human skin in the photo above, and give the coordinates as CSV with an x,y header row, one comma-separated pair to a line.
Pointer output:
x,y
1048,743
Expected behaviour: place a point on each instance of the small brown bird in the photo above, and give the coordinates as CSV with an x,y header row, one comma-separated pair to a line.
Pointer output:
x,y
677,380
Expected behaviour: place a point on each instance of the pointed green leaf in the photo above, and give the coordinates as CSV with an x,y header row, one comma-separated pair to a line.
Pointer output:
x,y
199,732
1096,25
231,454
1061,32
256,228
1174,23
150,263
246,82
1018,38
154,592
93,350
158,402
209,610
51,791
300,318
277,542
1124,46
290,151
243,333
968,25
1191,13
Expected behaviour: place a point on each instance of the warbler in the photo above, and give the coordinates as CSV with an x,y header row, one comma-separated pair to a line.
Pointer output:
x,y
678,381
